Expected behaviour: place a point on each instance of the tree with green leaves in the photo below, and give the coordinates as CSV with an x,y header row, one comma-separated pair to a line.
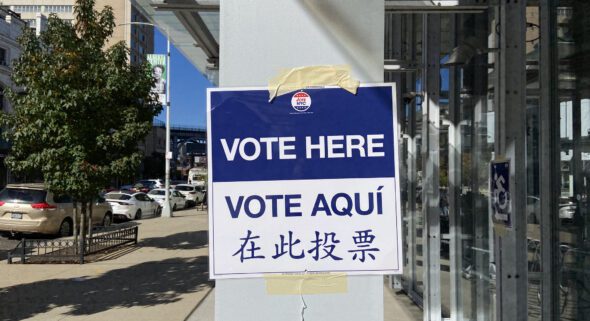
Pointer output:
x,y
81,109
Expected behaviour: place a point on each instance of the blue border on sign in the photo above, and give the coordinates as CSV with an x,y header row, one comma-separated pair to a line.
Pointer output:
x,y
239,115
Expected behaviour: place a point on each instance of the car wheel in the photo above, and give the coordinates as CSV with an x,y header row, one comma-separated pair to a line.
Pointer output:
x,y
159,211
107,220
65,229
138,215
174,208
186,204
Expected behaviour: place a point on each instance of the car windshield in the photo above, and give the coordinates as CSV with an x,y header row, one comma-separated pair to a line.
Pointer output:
x,y
157,192
117,196
184,188
22,195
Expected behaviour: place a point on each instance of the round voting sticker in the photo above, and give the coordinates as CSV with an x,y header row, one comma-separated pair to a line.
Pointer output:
x,y
301,101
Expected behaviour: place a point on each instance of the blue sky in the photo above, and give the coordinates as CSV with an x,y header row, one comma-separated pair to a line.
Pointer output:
x,y
187,87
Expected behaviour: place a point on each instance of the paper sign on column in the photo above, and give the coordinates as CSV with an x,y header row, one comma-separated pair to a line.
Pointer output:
x,y
307,183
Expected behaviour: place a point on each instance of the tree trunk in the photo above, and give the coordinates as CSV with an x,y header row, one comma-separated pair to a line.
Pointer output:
x,y
82,232
90,219
75,227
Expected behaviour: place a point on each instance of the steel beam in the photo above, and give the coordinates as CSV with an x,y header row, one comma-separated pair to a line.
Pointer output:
x,y
197,28
510,143
412,180
184,5
393,50
454,193
436,6
549,159
187,13
430,158
478,70
435,10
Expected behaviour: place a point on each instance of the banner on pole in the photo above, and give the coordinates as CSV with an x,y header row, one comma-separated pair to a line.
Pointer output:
x,y
158,66
307,183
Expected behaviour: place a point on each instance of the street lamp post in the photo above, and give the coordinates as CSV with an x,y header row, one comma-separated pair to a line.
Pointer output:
x,y
166,211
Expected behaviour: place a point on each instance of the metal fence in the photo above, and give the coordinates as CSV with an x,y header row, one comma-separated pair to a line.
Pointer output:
x,y
68,251
110,238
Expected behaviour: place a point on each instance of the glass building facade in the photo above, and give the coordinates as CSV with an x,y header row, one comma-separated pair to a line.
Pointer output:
x,y
481,82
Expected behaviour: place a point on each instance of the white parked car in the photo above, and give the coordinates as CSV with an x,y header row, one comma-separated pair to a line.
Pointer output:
x,y
152,183
177,200
567,210
194,194
132,205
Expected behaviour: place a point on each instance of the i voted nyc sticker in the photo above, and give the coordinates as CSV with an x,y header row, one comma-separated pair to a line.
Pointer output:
x,y
301,101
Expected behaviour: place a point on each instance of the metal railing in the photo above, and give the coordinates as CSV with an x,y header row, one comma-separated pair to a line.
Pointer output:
x,y
108,239
68,250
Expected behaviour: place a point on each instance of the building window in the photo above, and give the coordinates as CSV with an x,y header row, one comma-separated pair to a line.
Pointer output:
x,y
32,23
1,98
58,8
3,57
26,8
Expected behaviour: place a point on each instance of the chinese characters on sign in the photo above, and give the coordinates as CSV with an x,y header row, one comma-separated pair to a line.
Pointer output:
x,y
304,187
363,240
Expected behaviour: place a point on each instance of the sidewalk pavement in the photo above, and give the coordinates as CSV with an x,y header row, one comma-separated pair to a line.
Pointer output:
x,y
162,278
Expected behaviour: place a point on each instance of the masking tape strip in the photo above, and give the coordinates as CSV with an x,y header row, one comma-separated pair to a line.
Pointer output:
x,y
302,284
290,80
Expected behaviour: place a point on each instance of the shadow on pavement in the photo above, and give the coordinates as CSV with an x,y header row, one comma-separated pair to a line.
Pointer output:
x,y
179,241
112,254
146,284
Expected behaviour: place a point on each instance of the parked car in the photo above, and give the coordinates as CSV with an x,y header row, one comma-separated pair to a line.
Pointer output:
x,y
177,200
194,194
143,186
140,188
152,183
31,208
133,206
567,209
125,188
173,183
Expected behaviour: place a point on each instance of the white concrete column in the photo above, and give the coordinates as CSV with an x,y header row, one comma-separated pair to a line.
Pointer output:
x,y
258,38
